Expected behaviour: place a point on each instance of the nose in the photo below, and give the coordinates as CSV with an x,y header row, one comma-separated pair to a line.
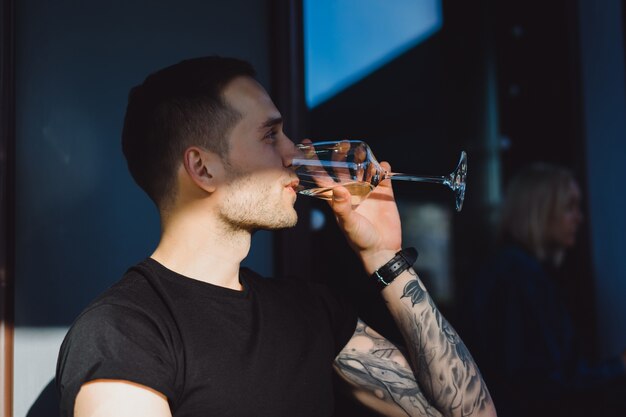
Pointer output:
x,y
288,152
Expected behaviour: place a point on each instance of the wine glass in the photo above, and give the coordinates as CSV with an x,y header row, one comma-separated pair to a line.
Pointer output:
x,y
321,166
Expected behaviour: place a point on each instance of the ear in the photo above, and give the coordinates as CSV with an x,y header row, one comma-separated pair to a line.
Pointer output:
x,y
203,167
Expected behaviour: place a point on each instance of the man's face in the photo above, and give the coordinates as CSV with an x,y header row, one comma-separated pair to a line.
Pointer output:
x,y
259,190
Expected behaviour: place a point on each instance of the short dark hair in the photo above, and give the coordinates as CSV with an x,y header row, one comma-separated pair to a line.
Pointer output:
x,y
174,108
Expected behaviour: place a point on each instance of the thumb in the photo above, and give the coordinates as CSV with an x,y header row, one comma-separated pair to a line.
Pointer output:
x,y
341,202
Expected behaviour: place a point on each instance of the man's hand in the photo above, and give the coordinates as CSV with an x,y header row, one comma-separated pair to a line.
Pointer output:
x,y
373,229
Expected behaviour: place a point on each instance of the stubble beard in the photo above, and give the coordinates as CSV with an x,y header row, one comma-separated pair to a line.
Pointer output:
x,y
253,204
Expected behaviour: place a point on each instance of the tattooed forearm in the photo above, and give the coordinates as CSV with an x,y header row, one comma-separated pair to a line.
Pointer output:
x,y
382,370
437,376
443,366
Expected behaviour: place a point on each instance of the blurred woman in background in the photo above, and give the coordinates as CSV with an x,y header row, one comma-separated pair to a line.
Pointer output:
x,y
522,332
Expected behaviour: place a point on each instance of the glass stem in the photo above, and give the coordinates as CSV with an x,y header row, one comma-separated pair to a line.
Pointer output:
x,y
418,178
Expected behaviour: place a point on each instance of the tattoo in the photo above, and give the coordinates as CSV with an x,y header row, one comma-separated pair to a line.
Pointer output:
x,y
381,371
414,291
444,367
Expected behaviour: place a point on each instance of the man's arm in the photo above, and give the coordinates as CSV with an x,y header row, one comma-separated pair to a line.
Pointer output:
x,y
442,365
438,378
108,397
445,372
380,377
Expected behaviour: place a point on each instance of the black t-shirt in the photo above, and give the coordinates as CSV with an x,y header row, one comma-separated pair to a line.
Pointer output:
x,y
264,351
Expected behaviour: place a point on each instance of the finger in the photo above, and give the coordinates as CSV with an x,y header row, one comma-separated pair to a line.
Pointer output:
x,y
384,189
387,168
341,203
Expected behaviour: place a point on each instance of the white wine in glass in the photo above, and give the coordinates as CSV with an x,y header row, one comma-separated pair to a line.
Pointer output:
x,y
322,166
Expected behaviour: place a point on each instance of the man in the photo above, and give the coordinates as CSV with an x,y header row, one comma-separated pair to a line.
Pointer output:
x,y
188,332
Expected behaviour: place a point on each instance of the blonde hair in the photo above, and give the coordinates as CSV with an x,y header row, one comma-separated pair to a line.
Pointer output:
x,y
533,199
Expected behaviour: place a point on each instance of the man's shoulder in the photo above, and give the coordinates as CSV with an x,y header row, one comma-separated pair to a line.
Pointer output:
x,y
133,297
123,334
133,287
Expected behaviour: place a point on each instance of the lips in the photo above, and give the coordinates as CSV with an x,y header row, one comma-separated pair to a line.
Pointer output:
x,y
293,184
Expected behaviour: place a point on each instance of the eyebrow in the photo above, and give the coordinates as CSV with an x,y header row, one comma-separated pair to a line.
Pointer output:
x,y
272,121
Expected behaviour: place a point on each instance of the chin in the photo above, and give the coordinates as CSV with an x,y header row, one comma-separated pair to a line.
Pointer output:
x,y
291,220
287,220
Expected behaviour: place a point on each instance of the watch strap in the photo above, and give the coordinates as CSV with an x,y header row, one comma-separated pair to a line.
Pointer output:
x,y
403,260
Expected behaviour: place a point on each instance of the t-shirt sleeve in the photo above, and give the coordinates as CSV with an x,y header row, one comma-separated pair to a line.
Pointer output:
x,y
113,342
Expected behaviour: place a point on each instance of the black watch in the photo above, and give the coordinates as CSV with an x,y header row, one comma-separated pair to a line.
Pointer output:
x,y
403,260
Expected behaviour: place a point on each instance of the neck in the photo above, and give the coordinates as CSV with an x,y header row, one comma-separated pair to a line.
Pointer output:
x,y
202,247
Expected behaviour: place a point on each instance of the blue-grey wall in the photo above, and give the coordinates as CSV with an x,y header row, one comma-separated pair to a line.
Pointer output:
x,y
604,93
81,220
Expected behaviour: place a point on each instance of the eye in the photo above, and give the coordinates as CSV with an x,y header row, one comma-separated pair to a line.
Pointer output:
x,y
271,135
